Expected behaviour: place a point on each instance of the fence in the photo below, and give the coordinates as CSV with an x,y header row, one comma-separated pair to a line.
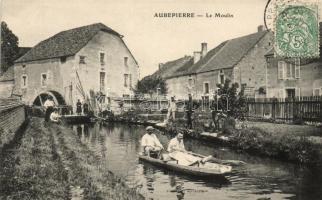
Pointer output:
x,y
289,109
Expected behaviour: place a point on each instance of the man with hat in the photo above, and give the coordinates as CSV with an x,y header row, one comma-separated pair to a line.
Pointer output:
x,y
150,142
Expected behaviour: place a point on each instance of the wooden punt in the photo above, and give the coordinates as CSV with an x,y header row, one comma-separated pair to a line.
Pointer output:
x,y
207,170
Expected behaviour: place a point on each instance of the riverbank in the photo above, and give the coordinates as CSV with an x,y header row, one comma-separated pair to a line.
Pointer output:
x,y
46,161
300,144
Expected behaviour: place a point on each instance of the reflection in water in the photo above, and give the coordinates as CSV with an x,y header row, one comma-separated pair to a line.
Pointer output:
x,y
117,148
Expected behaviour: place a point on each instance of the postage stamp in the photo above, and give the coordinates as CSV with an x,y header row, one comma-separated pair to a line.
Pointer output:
x,y
297,30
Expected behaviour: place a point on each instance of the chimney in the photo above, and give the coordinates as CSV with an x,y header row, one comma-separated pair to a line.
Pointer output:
x,y
260,28
160,66
203,49
196,56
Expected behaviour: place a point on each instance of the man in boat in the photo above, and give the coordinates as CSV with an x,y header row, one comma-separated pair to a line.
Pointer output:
x,y
150,143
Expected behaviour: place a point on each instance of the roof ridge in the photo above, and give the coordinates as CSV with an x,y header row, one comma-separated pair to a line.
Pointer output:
x,y
246,52
213,57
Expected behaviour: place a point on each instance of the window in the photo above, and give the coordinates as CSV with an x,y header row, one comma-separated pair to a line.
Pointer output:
x,y
206,88
102,81
317,91
289,70
126,77
63,59
102,58
126,61
43,80
190,82
24,81
281,67
221,77
81,59
130,80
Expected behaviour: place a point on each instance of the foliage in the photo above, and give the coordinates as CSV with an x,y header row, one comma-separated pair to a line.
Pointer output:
x,y
287,147
149,85
9,47
236,100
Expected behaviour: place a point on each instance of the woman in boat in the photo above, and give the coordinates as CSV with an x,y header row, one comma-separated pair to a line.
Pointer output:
x,y
178,152
151,143
176,144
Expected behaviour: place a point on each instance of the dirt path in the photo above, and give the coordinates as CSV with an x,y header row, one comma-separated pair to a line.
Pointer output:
x,y
49,162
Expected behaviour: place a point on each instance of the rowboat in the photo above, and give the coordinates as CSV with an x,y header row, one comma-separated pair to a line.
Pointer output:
x,y
206,169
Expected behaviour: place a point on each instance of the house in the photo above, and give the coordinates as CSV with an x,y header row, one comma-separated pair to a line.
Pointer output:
x,y
167,69
241,60
82,63
293,77
7,78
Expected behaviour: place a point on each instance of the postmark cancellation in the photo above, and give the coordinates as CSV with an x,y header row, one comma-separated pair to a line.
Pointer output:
x,y
297,30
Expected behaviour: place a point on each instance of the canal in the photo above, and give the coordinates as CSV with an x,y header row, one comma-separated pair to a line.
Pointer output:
x,y
117,147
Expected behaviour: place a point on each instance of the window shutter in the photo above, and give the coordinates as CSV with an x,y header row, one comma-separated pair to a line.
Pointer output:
x,y
281,70
297,68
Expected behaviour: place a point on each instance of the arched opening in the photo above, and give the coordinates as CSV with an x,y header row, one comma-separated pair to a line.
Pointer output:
x,y
57,97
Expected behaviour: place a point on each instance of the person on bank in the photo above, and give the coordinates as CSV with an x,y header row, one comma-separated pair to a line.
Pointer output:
x,y
54,116
171,115
49,107
150,143
78,107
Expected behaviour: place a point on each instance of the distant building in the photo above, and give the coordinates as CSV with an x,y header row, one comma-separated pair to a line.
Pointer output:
x,y
242,60
81,63
293,77
7,78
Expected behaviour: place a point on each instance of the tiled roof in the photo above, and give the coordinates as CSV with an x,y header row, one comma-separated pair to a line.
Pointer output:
x,y
191,68
226,55
232,52
65,43
170,67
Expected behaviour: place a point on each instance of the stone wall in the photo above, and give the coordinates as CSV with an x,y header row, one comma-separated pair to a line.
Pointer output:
x,y
12,116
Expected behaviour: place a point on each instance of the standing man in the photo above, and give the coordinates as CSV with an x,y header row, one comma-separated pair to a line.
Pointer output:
x,y
49,107
150,142
78,107
189,112
172,109
85,108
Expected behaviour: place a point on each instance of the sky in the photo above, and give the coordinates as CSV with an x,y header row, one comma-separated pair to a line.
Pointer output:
x,y
152,40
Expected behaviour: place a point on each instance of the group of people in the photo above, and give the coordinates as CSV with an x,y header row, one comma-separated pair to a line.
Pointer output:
x,y
82,108
175,151
172,108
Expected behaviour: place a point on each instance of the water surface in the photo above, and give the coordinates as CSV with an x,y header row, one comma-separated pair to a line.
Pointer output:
x,y
117,146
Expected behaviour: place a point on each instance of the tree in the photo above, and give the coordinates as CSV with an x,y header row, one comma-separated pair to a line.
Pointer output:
x,y
9,47
236,100
149,85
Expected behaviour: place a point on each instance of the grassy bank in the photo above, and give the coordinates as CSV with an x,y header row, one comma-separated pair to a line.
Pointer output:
x,y
49,163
